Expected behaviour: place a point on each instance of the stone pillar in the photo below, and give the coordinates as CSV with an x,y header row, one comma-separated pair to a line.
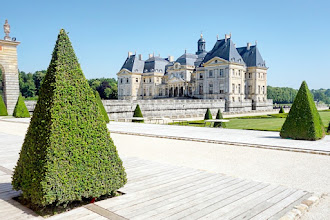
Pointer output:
x,y
9,68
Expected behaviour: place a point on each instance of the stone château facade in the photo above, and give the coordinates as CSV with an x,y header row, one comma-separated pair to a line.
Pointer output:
x,y
236,75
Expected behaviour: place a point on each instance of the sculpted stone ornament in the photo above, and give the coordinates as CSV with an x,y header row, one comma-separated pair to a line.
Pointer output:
x,y
6,28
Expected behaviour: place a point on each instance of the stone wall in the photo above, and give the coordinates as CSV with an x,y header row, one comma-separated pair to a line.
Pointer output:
x,y
174,108
163,108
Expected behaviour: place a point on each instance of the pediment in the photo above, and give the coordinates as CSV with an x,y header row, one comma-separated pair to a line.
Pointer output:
x,y
124,72
175,80
215,61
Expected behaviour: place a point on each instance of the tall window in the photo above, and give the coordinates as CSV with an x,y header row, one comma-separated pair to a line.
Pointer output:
x,y
201,89
211,88
127,80
263,89
250,89
259,90
201,75
239,72
233,72
221,73
137,80
249,75
233,88
210,73
121,80
239,88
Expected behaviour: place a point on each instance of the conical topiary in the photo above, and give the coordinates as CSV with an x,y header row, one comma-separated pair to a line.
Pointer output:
x,y
67,153
99,102
281,110
3,109
137,114
329,128
303,121
219,124
208,114
21,110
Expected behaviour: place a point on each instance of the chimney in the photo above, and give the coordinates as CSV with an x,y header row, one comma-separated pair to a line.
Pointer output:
x,y
227,36
248,46
140,56
151,55
129,54
170,58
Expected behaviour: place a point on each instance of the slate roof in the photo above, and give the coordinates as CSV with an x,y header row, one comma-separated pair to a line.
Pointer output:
x,y
200,58
251,57
187,59
224,49
156,64
133,64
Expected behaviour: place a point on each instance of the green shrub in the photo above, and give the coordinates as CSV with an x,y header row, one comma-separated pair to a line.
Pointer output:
x,y
329,128
279,115
281,110
219,116
67,154
303,121
137,114
99,102
21,110
3,109
208,114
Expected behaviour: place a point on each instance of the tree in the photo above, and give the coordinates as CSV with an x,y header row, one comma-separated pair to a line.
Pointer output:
x,y
38,76
3,109
219,124
103,111
208,114
137,114
281,110
20,110
303,121
67,154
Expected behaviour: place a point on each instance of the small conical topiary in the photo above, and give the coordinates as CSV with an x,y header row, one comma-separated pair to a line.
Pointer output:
x,y
21,110
3,109
208,114
137,114
67,154
329,128
303,121
99,102
219,124
281,110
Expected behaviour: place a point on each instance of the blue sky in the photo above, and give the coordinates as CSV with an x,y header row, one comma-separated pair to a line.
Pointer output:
x,y
293,36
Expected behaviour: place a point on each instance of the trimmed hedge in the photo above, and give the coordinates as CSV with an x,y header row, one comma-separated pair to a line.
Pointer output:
x,y
3,109
303,121
100,104
219,124
208,114
67,154
21,110
281,110
138,114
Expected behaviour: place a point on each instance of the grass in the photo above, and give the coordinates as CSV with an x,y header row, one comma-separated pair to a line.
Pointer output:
x,y
261,123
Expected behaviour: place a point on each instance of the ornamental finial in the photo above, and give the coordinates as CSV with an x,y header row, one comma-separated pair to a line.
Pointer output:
x,y
201,34
6,28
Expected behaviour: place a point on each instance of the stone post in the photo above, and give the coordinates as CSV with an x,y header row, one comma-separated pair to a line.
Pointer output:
x,y
9,68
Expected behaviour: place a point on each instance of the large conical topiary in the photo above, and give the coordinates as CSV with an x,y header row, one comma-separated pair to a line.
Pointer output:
x,y
281,110
99,102
67,153
208,114
219,124
3,109
137,114
21,110
303,121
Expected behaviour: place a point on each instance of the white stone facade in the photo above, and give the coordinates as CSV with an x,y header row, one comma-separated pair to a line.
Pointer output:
x,y
237,76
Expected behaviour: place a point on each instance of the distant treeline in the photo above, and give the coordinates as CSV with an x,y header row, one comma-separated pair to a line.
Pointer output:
x,y
285,95
30,83
107,87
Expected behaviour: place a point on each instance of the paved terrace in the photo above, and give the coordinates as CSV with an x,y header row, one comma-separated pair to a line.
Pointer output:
x,y
159,191
263,139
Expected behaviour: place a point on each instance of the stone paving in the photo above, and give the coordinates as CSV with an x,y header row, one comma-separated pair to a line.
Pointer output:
x,y
161,191
264,139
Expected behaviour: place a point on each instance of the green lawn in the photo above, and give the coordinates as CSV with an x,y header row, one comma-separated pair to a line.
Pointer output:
x,y
262,123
